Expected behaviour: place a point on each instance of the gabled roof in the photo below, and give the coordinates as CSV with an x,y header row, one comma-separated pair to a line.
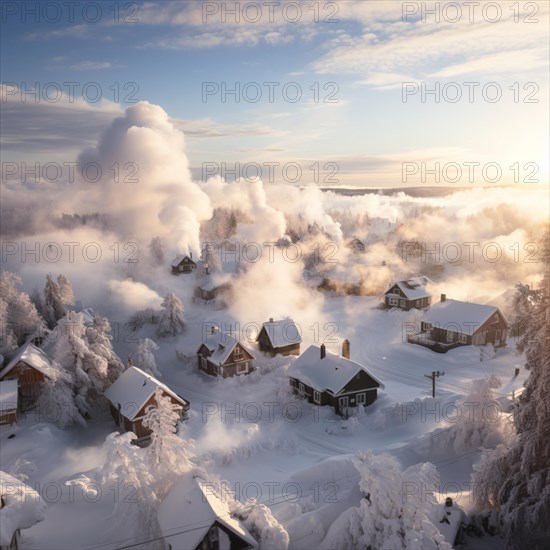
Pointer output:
x,y
24,507
8,395
282,333
190,509
464,317
214,280
133,388
32,356
331,373
221,345
414,288
180,258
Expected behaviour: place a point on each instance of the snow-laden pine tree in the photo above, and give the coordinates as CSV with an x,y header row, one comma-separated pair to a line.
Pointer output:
x,y
156,251
171,320
65,290
395,510
88,370
100,340
54,308
36,299
521,473
144,357
211,257
18,315
168,455
261,523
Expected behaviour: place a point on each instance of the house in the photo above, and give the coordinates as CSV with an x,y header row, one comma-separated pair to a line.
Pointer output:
x,y
195,502
279,337
452,323
8,402
183,264
409,293
222,355
356,245
131,394
29,366
20,508
213,285
325,378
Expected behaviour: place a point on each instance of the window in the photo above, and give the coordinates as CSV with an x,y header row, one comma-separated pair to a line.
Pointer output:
x,y
462,338
403,303
301,389
361,399
316,396
238,354
242,368
343,401
393,301
449,336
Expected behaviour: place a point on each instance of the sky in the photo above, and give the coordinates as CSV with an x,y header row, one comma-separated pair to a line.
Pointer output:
x,y
328,93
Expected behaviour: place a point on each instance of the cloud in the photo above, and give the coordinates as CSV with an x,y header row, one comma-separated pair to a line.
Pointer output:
x,y
94,66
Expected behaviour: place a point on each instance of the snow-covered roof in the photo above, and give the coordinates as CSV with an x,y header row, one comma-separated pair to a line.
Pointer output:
x,y
414,288
179,258
133,388
464,317
32,356
23,507
190,509
8,395
221,346
454,516
214,280
331,373
282,333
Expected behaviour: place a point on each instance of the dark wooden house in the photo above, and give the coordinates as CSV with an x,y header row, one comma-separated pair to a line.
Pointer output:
x,y
8,402
325,378
212,285
130,396
410,293
356,245
194,501
221,355
183,264
279,337
452,323
29,366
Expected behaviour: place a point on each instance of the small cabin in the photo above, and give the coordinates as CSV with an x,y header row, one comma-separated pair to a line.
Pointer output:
x,y
222,355
183,264
20,508
194,501
453,323
29,366
410,293
325,378
131,394
8,402
279,338
356,245
213,285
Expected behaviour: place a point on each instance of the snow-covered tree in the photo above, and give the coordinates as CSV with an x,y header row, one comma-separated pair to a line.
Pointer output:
x,y
100,341
261,523
36,299
171,320
18,315
156,251
211,257
54,309
395,510
144,357
65,290
522,473
168,454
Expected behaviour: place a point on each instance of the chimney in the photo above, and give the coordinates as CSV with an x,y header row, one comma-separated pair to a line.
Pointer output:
x,y
206,268
191,255
323,351
443,297
130,362
271,319
345,349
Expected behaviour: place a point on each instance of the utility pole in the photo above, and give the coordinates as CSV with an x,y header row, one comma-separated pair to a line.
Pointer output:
x,y
433,376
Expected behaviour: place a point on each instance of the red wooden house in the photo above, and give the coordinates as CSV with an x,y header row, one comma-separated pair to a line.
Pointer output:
x,y
410,293
131,394
183,264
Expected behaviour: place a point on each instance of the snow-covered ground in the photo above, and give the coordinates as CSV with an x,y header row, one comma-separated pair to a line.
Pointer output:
x,y
255,435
